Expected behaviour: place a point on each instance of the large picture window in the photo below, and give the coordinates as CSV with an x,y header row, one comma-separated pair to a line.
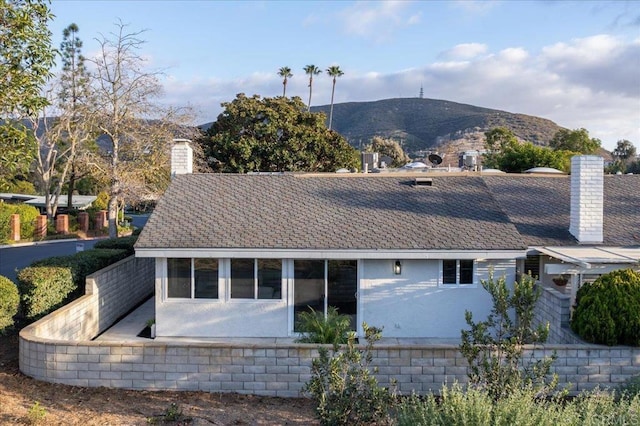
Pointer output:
x,y
192,278
457,272
256,278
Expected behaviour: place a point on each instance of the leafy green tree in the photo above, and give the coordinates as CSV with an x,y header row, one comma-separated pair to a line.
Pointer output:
x,y
334,71
495,141
74,102
274,135
390,148
285,73
506,153
624,155
624,150
26,58
574,140
494,347
311,70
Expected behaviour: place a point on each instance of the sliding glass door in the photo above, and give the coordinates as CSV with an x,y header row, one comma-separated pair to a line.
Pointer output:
x,y
320,284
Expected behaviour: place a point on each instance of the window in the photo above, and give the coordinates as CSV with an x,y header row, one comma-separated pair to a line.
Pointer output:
x,y
457,272
192,278
321,284
256,278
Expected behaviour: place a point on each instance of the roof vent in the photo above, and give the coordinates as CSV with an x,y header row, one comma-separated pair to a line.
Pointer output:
x,y
420,181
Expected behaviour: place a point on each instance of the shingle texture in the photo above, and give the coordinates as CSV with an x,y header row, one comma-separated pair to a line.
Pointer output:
x,y
472,212
316,212
539,208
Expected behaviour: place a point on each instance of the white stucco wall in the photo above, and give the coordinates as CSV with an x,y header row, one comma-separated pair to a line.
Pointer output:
x,y
411,304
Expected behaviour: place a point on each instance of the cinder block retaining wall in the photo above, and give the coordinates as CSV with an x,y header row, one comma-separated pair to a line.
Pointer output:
x,y
554,308
56,349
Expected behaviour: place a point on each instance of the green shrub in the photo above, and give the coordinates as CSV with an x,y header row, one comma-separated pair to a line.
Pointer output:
x,y
28,215
607,311
631,386
44,289
316,328
124,243
9,303
84,263
494,348
343,385
101,202
523,407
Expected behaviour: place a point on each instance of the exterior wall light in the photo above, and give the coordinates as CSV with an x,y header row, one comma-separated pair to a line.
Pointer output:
x,y
397,267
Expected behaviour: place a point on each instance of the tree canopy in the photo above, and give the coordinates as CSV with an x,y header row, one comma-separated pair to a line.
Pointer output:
x,y
255,134
506,153
389,148
577,141
26,58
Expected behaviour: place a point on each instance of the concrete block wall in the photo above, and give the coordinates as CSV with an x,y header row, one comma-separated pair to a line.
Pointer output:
x,y
554,308
283,369
109,294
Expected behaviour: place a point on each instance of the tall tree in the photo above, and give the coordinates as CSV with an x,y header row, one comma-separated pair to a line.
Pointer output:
x,y
624,150
574,140
390,148
26,58
311,70
274,135
135,126
497,140
335,72
285,73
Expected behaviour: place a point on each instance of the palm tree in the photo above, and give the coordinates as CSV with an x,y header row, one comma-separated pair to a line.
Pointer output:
x,y
284,72
311,70
335,72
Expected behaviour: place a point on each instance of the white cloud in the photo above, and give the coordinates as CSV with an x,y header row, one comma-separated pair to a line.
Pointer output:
x,y
377,20
465,51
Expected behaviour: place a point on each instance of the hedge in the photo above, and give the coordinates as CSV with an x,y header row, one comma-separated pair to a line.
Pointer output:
x,y
9,303
124,243
607,311
28,215
44,289
84,263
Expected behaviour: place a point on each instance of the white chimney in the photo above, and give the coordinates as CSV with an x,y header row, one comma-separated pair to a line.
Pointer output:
x,y
587,198
181,157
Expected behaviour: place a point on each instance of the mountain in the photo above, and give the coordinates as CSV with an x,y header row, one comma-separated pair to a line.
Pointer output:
x,y
424,124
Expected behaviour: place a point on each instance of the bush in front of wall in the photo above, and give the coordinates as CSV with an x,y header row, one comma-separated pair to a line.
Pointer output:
x,y
9,303
44,289
344,387
607,311
124,243
316,328
84,263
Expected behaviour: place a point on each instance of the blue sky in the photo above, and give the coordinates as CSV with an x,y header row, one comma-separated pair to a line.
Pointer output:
x,y
574,62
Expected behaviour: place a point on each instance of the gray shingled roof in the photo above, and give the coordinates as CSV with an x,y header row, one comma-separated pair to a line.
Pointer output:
x,y
381,212
539,208
328,212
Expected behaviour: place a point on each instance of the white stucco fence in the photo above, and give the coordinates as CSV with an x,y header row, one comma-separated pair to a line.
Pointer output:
x,y
59,349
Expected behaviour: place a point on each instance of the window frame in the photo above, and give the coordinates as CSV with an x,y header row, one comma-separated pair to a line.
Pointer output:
x,y
458,284
192,282
256,282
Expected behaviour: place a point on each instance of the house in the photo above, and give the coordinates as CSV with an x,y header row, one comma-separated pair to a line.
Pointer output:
x,y
240,256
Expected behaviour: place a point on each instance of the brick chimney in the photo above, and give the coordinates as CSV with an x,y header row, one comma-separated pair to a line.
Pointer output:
x,y
587,198
181,157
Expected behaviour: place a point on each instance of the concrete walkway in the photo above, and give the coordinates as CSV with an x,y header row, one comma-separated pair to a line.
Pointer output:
x,y
127,329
